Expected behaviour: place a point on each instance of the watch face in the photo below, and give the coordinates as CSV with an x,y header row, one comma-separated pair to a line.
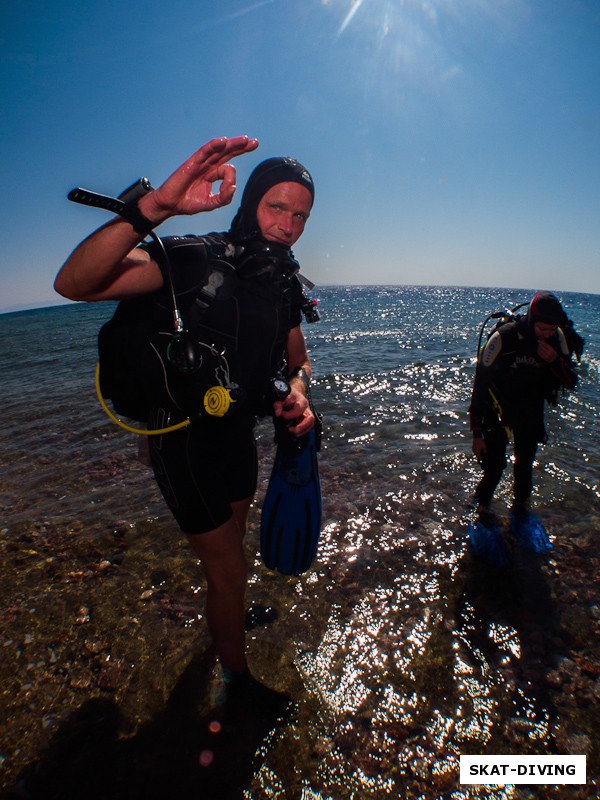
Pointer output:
x,y
281,386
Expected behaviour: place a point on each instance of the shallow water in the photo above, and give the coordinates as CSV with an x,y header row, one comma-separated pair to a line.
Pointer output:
x,y
399,653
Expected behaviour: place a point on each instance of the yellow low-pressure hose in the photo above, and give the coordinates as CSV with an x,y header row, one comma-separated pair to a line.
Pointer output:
x,y
130,428
499,411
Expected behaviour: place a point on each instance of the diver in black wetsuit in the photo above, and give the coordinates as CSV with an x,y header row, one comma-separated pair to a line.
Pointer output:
x,y
524,364
208,472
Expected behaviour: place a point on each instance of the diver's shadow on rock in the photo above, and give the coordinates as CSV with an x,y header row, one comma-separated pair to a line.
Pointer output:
x,y
515,598
178,754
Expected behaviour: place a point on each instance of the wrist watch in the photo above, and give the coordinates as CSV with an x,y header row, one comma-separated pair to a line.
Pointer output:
x,y
130,211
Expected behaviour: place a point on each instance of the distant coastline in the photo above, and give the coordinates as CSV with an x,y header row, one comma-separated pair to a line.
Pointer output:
x,y
32,306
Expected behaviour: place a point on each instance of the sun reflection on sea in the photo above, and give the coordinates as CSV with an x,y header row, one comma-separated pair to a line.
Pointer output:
x,y
399,653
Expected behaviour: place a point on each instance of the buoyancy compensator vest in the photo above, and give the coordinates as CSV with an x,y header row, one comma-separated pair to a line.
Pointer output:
x,y
232,341
212,340
575,342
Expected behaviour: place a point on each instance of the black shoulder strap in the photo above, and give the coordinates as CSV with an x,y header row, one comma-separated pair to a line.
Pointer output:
x,y
203,265
509,334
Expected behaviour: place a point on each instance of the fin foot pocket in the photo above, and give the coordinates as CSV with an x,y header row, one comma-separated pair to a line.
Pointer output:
x,y
530,532
487,544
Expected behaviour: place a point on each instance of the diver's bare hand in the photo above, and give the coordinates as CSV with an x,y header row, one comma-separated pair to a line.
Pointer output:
x,y
189,190
479,448
295,408
546,352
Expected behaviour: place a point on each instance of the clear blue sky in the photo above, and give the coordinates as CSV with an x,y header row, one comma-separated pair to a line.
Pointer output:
x,y
451,141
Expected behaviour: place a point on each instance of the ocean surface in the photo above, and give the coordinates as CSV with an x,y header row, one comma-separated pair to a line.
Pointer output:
x,y
399,652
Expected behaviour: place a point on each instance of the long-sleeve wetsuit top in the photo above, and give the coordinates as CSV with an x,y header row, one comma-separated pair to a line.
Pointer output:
x,y
512,381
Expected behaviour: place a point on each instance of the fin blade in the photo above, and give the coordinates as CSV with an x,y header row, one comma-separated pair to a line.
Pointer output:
x,y
292,509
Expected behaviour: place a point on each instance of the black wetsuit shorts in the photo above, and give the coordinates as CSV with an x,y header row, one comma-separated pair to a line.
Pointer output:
x,y
202,469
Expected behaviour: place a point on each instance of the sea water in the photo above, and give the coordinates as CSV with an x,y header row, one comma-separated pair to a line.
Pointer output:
x,y
399,651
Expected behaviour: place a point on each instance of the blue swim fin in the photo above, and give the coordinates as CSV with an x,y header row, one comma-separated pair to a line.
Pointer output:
x,y
487,544
530,532
291,514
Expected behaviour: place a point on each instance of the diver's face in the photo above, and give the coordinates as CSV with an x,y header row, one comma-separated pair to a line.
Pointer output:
x,y
542,330
283,211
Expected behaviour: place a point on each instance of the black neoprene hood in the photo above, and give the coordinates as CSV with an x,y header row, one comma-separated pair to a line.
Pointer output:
x,y
545,307
266,175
